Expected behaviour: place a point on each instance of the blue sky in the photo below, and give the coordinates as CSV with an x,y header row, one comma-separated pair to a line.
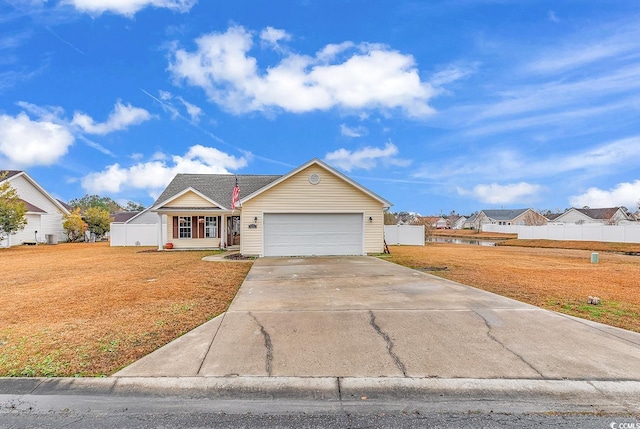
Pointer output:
x,y
435,105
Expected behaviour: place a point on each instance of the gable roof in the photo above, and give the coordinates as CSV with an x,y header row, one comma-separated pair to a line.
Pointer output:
x,y
14,173
214,187
65,205
504,214
9,173
316,161
601,214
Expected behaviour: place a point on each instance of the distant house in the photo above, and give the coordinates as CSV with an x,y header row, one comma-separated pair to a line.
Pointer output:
x,y
551,217
123,217
527,217
605,216
44,213
469,223
457,222
442,223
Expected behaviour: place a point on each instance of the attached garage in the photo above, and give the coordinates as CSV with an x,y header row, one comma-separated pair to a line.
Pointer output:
x,y
313,234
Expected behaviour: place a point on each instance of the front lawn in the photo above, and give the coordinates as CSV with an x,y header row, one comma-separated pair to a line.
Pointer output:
x,y
88,309
556,279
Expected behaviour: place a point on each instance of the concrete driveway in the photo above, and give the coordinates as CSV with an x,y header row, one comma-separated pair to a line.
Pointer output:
x,y
365,317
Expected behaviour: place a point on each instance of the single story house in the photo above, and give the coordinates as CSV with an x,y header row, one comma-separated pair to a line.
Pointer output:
x,y
527,217
457,222
44,213
605,216
312,210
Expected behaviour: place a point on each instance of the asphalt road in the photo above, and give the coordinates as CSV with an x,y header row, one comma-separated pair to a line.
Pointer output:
x,y
99,412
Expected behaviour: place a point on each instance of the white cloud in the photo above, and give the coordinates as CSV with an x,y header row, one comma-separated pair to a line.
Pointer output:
x,y
451,73
495,193
623,194
128,7
552,16
156,174
371,77
366,158
193,110
599,160
120,118
272,36
25,143
353,131
588,48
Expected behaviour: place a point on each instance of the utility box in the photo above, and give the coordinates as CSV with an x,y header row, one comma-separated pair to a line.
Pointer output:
x,y
595,258
51,238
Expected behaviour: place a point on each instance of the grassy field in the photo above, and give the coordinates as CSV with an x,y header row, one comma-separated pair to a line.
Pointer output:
x,y
90,309
556,279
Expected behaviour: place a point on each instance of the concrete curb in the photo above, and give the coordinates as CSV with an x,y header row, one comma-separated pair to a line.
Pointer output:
x,y
528,395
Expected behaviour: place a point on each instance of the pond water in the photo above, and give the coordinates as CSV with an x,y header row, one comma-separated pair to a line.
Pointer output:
x,y
458,240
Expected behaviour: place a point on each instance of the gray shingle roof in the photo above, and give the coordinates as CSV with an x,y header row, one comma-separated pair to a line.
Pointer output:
x,y
504,214
602,214
122,217
9,173
217,187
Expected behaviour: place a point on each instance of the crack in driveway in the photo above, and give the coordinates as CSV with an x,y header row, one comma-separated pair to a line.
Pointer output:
x,y
267,344
493,337
387,339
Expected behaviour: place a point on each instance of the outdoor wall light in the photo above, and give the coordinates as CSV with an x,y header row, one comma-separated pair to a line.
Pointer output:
x,y
370,219
255,219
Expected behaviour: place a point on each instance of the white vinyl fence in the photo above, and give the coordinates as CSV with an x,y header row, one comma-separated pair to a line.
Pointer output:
x,y
585,232
123,234
412,235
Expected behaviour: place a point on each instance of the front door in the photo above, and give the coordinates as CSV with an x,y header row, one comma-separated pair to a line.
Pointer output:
x,y
233,231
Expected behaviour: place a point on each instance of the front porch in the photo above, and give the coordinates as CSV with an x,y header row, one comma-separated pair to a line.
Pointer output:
x,y
190,229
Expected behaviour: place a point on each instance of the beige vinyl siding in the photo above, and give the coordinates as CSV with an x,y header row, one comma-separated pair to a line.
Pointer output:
x,y
297,195
189,199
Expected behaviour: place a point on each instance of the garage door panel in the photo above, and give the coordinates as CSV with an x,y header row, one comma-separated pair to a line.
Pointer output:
x,y
297,234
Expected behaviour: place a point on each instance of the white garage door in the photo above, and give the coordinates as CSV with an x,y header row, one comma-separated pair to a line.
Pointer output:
x,y
307,234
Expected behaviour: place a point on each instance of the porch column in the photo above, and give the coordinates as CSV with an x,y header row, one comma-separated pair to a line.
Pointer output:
x,y
160,231
223,231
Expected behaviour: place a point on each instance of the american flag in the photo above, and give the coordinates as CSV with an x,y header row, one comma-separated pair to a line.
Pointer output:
x,y
235,195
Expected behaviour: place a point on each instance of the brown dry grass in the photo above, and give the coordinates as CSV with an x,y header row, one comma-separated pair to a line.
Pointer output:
x,y
90,309
556,279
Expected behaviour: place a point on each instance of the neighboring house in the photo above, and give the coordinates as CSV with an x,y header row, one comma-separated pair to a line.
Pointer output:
x,y
527,217
442,223
470,223
551,217
457,222
605,216
44,213
312,210
123,217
